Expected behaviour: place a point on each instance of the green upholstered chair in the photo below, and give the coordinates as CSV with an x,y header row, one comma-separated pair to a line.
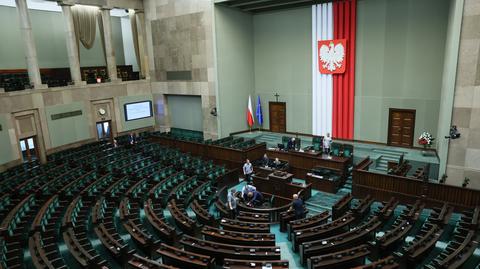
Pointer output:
x,y
317,142
285,140
336,148
298,143
347,150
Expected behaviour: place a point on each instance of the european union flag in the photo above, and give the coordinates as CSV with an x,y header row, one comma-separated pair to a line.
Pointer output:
x,y
259,112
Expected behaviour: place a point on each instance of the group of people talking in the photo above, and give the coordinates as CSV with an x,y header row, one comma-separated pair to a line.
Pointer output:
x,y
265,162
254,198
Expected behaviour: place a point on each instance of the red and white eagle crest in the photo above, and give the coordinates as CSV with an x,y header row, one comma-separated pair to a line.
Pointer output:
x,y
331,56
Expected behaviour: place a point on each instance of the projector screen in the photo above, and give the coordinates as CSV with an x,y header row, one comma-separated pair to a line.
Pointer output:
x,y
138,110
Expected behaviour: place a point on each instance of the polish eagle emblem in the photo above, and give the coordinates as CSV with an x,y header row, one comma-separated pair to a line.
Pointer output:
x,y
331,56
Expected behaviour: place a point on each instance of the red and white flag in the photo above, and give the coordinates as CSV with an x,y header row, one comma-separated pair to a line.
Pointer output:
x,y
250,119
333,68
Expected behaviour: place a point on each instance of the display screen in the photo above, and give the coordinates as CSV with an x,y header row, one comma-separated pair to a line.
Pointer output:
x,y
138,110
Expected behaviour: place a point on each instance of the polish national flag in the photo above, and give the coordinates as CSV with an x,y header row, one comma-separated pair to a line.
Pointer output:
x,y
333,68
250,119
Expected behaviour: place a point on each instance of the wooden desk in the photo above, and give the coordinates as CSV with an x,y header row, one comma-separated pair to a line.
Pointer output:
x,y
281,177
342,259
280,187
323,184
253,217
247,227
245,264
139,262
184,259
382,187
264,171
280,204
232,158
238,238
302,162
220,251
342,206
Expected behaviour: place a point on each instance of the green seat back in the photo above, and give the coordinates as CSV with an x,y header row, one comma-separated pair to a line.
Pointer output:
x,y
336,148
285,140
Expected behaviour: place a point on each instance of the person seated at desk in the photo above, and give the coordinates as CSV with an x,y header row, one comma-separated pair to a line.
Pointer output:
x,y
246,189
297,206
256,198
132,139
265,160
291,144
277,164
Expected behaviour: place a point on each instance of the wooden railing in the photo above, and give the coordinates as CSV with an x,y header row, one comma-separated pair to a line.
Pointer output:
x,y
232,158
295,134
382,187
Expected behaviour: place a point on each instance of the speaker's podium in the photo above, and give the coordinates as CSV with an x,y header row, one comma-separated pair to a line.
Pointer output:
x,y
280,183
280,177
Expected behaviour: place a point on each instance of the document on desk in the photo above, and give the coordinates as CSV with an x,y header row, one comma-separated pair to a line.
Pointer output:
x,y
313,175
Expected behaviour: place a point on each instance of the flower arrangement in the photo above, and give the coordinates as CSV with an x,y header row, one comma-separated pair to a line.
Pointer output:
x,y
426,139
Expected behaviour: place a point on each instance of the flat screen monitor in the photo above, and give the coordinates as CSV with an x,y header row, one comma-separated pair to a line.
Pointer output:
x,y
138,110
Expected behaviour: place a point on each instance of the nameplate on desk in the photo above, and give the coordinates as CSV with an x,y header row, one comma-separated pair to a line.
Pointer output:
x,y
313,175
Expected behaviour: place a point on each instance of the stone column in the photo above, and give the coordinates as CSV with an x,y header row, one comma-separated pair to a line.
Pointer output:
x,y
109,51
72,45
29,45
142,44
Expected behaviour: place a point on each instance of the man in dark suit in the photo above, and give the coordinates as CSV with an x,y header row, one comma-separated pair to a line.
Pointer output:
x,y
131,138
291,144
297,206
256,198
277,164
265,160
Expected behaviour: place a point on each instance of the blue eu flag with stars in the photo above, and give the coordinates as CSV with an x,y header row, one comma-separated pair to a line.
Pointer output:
x,y
259,112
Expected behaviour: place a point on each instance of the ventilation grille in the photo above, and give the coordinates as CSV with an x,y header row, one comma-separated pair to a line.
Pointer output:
x,y
67,115
179,75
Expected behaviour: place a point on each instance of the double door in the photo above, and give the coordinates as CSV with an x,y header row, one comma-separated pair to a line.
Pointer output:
x,y
401,127
104,130
29,148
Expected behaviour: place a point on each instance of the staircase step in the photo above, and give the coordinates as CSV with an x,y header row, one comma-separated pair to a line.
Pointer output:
x,y
315,211
388,151
390,158
312,204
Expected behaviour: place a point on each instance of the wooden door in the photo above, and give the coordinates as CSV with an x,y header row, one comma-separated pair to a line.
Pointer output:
x,y
401,127
278,116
